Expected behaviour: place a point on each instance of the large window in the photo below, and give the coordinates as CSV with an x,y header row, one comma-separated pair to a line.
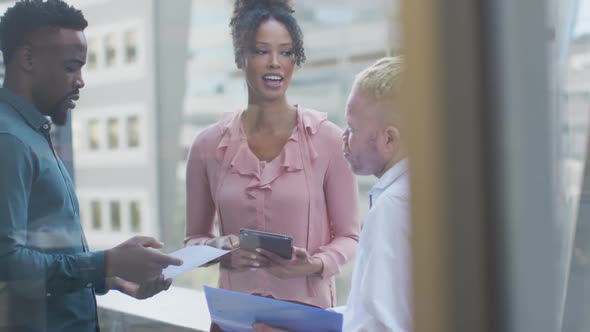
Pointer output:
x,y
145,99
160,72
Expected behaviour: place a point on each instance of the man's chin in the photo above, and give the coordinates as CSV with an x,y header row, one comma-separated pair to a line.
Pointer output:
x,y
60,118
360,169
356,169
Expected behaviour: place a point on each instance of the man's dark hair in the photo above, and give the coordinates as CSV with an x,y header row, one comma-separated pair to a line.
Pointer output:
x,y
247,17
27,16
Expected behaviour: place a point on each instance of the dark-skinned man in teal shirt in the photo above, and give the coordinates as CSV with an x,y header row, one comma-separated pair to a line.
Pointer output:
x,y
48,276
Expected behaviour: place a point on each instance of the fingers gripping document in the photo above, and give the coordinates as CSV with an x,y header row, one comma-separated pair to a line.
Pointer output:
x,y
236,312
193,257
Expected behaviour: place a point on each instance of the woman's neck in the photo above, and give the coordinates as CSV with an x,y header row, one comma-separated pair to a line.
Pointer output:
x,y
269,117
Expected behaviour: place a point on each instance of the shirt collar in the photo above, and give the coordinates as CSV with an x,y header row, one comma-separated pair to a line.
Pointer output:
x,y
31,115
390,176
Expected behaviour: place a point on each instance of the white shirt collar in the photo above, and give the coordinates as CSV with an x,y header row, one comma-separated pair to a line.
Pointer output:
x,y
389,177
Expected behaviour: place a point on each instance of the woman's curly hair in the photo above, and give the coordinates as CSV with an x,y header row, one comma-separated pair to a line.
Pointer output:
x,y
247,17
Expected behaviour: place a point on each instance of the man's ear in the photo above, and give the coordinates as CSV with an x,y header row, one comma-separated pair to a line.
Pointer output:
x,y
23,56
392,135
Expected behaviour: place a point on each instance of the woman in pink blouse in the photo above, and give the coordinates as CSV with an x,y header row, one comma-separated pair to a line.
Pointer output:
x,y
273,167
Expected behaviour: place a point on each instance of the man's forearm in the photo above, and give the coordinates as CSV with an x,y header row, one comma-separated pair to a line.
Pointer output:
x,y
33,272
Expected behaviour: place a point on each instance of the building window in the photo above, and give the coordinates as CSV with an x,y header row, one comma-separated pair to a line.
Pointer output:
x,y
92,56
135,217
113,130
96,215
110,50
130,39
76,131
115,216
133,131
93,134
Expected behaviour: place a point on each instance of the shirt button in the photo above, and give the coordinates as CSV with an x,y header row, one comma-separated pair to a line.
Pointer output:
x,y
89,285
48,294
46,126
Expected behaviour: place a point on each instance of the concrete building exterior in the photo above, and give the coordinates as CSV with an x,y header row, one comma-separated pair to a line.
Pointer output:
x,y
125,150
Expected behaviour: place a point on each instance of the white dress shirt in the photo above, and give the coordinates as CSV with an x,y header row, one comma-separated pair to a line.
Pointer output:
x,y
381,289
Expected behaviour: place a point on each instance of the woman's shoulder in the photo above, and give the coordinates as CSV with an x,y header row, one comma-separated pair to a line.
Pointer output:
x,y
319,127
211,135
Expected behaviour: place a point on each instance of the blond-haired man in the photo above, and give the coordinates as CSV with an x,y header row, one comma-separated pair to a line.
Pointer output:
x,y
380,294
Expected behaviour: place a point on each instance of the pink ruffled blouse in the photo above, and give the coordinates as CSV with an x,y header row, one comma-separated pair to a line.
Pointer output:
x,y
308,192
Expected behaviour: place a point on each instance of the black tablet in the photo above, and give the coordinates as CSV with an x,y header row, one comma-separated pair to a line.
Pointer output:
x,y
279,244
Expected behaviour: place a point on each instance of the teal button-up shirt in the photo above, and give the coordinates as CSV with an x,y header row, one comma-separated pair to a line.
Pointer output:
x,y
47,274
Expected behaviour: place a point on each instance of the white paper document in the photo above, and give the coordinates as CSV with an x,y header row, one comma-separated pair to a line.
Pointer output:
x,y
192,257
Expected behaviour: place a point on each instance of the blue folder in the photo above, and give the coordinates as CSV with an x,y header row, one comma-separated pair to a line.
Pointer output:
x,y
236,312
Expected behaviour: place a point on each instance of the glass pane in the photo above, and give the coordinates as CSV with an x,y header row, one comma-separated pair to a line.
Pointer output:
x,y
94,134
136,119
575,111
575,107
130,46
91,60
2,71
109,50
115,216
113,128
214,85
95,207
133,131
135,217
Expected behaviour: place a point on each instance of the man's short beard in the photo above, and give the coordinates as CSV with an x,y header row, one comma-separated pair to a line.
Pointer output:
x,y
59,116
